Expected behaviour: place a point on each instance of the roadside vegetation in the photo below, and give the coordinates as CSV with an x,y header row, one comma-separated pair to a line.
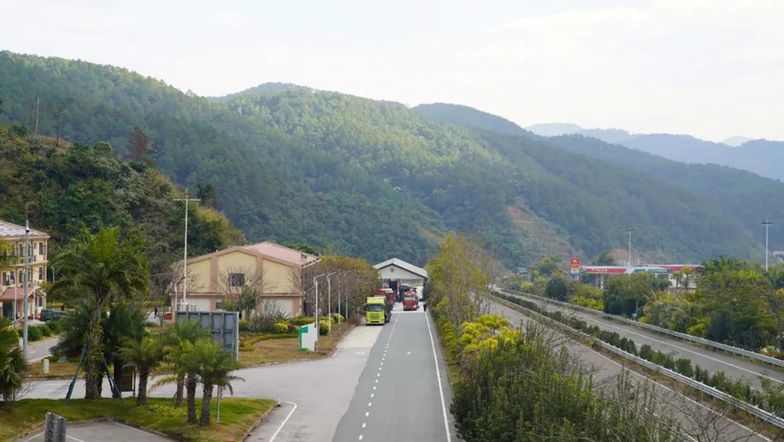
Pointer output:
x,y
238,416
494,365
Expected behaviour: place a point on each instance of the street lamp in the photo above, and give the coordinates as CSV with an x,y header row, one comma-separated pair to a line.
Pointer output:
x,y
329,299
629,231
26,278
185,251
767,224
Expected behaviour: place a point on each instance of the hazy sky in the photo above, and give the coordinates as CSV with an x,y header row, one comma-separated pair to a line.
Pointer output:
x,y
710,68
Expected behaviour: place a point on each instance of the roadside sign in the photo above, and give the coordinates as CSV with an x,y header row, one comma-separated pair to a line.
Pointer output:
x,y
54,428
308,334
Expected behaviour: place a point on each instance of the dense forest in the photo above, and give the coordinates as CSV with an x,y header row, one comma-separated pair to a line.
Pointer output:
x,y
368,178
67,189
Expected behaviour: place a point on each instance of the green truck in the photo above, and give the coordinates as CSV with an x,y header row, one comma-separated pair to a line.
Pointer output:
x,y
375,310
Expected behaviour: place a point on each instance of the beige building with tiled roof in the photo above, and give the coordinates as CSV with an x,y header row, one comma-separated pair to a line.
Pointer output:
x,y
272,269
12,237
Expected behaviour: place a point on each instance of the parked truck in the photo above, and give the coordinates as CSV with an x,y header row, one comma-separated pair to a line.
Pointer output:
x,y
410,300
375,310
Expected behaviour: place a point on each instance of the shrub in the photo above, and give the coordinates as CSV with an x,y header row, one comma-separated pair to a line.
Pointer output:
x,y
302,320
34,333
45,330
281,327
323,327
646,352
244,325
337,316
265,322
683,366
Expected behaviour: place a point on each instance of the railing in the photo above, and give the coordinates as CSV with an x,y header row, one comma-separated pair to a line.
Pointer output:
x,y
683,336
717,394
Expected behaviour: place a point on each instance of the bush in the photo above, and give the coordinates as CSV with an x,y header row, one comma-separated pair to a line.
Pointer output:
x,y
683,366
302,320
646,352
323,327
281,327
337,317
45,330
265,322
34,333
244,325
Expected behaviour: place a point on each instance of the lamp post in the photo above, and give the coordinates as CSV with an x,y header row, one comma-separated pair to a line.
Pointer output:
x,y
767,224
318,324
329,298
185,252
629,231
26,278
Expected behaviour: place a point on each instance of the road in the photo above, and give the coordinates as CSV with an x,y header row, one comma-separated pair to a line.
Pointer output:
x,y
402,394
698,421
40,349
735,367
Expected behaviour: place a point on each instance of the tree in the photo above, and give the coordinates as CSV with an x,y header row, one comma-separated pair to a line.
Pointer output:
x,y
176,342
626,294
556,288
104,267
124,322
213,365
605,259
12,363
57,114
546,266
208,195
140,149
146,354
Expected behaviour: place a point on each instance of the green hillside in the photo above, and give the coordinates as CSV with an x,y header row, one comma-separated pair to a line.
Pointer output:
x,y
68,188
369,178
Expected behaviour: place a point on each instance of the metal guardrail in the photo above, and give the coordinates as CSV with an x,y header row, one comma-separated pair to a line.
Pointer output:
x,y
660,330
713,392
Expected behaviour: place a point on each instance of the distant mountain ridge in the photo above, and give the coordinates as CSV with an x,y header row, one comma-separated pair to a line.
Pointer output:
x,y
762,157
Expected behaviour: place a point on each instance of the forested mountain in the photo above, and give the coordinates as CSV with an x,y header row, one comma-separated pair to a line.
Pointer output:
x,y
469,117
370,178
762,157
67,188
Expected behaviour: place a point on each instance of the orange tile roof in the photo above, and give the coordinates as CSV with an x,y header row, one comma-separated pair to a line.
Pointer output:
x,y
283,253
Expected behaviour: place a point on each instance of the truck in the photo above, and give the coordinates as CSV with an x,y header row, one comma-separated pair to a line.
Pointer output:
x,y
389,295
375,310
410,300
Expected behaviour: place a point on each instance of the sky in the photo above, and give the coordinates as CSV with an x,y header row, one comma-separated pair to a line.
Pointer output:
x,y
709,68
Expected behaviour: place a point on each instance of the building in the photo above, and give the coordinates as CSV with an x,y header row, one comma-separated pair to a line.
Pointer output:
x,y
676,274
12,240
395,273
271,269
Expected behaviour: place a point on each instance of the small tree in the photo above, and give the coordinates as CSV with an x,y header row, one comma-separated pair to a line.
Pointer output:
x,y
176,342
140,149
146,354
213,365
12,363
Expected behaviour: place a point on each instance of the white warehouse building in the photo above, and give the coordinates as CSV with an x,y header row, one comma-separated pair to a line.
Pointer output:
x,y
395,273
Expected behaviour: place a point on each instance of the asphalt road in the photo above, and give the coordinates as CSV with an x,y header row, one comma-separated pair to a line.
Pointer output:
x,y
697,421
735,367
402,395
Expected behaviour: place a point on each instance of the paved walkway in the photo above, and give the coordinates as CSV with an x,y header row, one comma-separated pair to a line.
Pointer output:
x,y
104,431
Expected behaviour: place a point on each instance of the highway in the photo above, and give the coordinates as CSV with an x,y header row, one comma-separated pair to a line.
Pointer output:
x,y
697,421
402,395
735,367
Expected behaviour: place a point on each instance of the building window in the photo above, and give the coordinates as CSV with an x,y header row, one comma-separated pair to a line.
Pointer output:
x,y
236,279
6,279
41,249
40,273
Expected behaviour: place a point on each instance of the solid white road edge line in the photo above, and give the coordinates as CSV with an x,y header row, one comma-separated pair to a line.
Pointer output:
x,y
438,377
272,439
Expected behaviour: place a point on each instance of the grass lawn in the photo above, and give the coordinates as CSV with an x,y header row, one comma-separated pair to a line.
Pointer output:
x,y
265,351
238,416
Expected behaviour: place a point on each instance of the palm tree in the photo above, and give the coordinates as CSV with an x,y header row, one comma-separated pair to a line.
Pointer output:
x,y
174,342
12,362
214,365
106,268
146,354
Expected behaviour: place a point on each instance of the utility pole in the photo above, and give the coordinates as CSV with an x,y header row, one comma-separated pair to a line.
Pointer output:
x,y
318,324
185,252
767,224
629,231
37,103
26,269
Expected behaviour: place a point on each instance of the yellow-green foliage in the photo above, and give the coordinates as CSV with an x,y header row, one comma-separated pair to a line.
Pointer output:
x,y
484,333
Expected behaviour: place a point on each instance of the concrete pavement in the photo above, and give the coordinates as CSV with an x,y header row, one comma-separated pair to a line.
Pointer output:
x,y
403,393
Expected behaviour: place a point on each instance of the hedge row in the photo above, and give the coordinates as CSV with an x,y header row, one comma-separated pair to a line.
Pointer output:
x,y
38,332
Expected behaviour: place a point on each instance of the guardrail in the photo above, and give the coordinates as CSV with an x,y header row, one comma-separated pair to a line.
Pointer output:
x,y
660,330
717,394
